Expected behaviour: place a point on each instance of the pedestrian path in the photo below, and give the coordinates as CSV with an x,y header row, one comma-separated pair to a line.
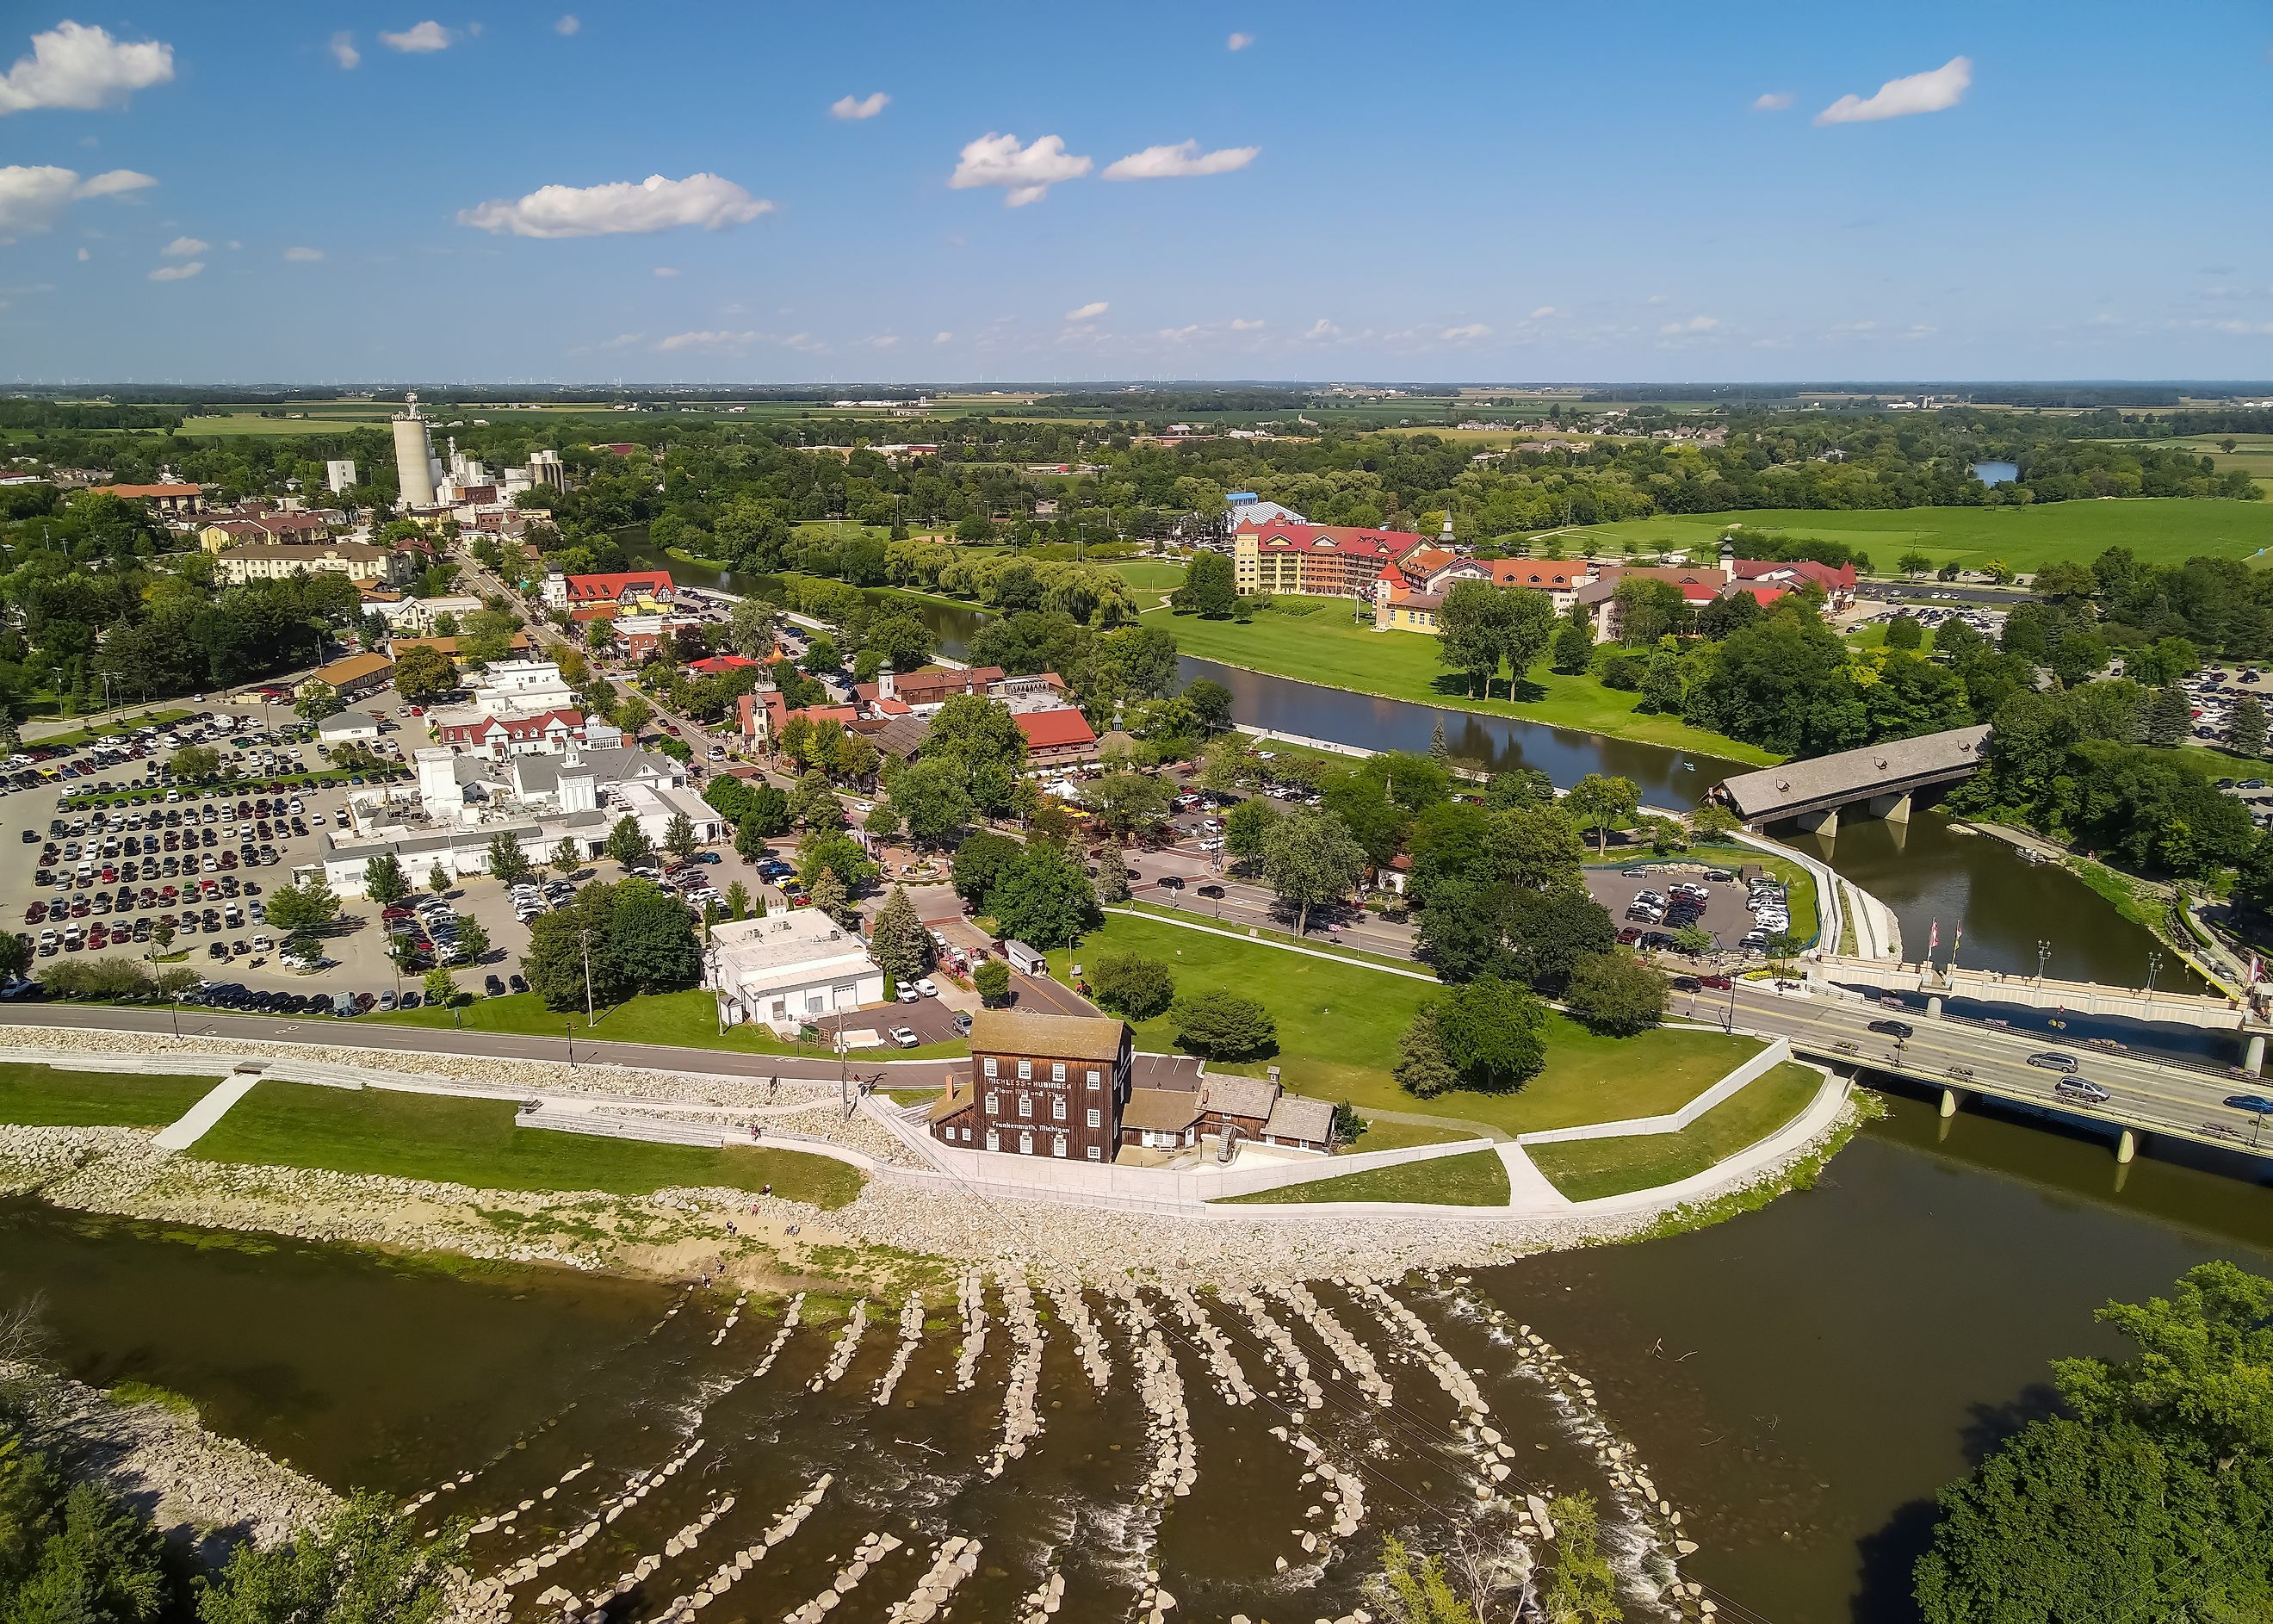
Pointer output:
x,y
200,1117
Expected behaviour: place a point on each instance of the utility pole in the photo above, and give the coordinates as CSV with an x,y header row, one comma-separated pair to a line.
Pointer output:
x,y
584,940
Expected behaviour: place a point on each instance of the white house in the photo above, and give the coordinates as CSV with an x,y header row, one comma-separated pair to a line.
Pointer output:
x,y
782,969
348,727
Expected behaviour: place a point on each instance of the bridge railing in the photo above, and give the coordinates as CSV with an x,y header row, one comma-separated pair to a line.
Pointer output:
x,y
2185,1062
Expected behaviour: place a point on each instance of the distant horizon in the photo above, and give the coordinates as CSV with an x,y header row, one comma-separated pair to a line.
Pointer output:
x,y
1138,388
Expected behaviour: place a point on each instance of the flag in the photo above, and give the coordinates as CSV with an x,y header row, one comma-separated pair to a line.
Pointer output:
x,y
1959,942
1933,938
2253,969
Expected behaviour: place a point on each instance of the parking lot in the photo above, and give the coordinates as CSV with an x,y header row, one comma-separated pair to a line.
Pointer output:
x,y
1722,910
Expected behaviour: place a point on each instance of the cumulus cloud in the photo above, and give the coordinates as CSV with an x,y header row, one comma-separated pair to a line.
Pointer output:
x,y
33,196
942,338
622,339
303,256
420,38
1241,324
708,339
619,206
82,68
1695,324
177,273
1025,173
666,270
1932,91
1321,330
1772,102
1088,312
1177,162
1464,333
1542,312
183,248
859,107
1177,335
344,52
83,256
1239,41
567,25
883,341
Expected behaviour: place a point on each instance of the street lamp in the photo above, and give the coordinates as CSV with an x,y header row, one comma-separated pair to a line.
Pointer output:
x,y
2154,964
2043,952
569,1027
584,940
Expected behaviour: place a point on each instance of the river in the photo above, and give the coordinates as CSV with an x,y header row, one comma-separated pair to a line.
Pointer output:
x,y
1798,1381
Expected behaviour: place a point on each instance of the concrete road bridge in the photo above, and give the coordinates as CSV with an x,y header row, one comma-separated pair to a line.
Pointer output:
x,y
2211,1011
1879,781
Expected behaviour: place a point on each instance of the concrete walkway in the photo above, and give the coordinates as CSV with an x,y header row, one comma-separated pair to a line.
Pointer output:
x,y
200,1117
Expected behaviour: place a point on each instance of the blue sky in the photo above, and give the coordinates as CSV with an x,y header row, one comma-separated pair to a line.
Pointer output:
x,y
1502,193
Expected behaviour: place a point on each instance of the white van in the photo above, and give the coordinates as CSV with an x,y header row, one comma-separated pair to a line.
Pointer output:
x,y
1025,960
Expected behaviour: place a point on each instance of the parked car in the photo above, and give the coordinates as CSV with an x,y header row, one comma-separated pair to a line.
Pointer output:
x,y
904,1037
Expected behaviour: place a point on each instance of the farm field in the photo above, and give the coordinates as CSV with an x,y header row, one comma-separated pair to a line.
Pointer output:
x,y
2161,531
1314,640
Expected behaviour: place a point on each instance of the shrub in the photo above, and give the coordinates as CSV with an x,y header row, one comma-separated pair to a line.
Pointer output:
x,y
1224,1025
1616,994
1132,986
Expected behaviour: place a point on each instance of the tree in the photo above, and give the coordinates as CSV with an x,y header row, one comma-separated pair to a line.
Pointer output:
x,y
979,862
1223,1024
2245,729
1247,828
195,761
2169,716
508,864
1600,804
1713,821
1124,802
634,714
162,937
991,978
750,628
364,1566
1408,1595
1043,897
441,987
1111,872
627,843
1525,626
1422,1068
383,880
1617,993
2066,578
828,895
679,838
900,640
738,899
424,673
1574,643
767,810
898,941
1905,631
1914,564
566,857
1470,628
814,803
1211,703
1210,590
293,909
316,700
1492,1035
437,879
75,1553
929,799
1581,1587
1132,986
1310,857
473,940
839,854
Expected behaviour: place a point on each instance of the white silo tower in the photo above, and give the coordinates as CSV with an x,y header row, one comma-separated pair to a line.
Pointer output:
x,y
414,456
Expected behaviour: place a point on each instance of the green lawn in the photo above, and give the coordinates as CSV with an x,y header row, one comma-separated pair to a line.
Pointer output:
x,y
37,1097
2160,529
1478,1179
1314,640
1587,1170
475,1142
111,729
1874,636
1147,576
1340,1023
1382,1134
687,1020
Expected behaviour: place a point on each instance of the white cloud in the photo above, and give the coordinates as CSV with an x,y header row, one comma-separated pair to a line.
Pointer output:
x,y
1027,173
568,25
1464,334
1772,102
303,256
1088,312
1241,324
177,273
652,205
1695,324
708,340
1177,335
1656,298
883,341
1932,91
1177,161
666,270
1542,312
234,244
621,340
942,338
1321,330
82,68
83,256
858,107
344,52
33,197
420,38
183,248
805,341
1239,41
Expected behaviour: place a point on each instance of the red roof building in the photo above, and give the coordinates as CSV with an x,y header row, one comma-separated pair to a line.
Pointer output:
x,y
1322,560
500,736
168,499
1836,585
1056,738
624,587
719,665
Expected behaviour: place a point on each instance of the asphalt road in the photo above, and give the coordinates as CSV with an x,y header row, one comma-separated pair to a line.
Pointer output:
x,y
2142,1094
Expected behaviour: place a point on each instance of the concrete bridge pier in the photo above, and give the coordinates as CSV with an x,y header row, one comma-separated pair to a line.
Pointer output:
x,y
2126,1148
1825,823
1933,1004
1894,809
2253,1063
1950,1101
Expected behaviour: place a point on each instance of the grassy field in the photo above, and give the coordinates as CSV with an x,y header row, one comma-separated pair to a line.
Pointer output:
x,y
475,1142
1314,640
1478,1179
1589,1170
2161,531
686,1020
1874,636
1382,1134
36,1097
1341,1022
111,729
1149,575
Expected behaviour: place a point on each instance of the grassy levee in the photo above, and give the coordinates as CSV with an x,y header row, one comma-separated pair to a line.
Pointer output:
x,y
38,1096
1341,1022
1315,640
687,1020
1587,1170
1477,1179
474,1142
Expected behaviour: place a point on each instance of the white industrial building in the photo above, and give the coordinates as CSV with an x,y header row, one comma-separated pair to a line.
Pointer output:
x,y
339,474
463,854
783,969
416,467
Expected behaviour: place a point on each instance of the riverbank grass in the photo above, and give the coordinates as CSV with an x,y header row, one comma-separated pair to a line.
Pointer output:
x,y
1315,640
1477,1179
384,1135
1589,1170
1341,1025
687,1020
37,1096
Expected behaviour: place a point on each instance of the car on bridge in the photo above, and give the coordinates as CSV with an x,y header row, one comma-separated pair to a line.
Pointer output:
x,y
1895,1029
2051,1060
2255,1102
2081,1090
